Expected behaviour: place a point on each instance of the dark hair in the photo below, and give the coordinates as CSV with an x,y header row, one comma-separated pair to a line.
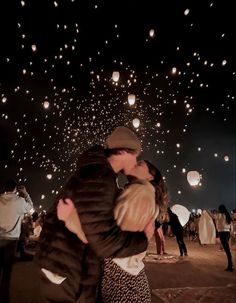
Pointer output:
x,y
10,185
162,198
223,210
117,151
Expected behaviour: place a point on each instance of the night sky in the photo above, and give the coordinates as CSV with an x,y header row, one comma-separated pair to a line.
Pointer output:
x,y
57,95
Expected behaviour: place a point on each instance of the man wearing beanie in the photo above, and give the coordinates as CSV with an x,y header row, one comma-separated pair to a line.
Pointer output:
x,y
70,262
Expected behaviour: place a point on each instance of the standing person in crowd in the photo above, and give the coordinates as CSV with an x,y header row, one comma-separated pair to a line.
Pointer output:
x,y
177,230
207,230
12,209
70,264
223,225
159,236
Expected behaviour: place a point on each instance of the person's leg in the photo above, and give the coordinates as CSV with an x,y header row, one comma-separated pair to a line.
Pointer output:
x,y
8,249
158,241
183,249
224,238
162,240
179,244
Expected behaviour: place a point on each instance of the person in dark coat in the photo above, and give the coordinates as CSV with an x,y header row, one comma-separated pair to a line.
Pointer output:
x,y
70,269
177,230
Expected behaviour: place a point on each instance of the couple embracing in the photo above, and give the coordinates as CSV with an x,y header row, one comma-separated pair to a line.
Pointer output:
x,y
95,236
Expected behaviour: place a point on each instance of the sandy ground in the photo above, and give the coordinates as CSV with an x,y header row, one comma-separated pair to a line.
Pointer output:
x,y
200,277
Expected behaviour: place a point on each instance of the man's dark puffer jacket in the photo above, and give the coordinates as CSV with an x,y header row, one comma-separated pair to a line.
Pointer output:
x,y
93,189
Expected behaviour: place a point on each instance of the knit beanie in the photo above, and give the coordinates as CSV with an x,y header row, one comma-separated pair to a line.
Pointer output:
x,y
123,137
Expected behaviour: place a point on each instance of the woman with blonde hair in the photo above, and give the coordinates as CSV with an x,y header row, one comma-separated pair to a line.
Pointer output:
x,y
142,201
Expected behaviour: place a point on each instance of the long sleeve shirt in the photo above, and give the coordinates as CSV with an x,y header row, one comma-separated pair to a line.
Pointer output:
x,y
12,210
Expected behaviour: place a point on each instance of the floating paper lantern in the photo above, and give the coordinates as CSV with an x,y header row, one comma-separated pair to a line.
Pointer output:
x,y
182,212
115,76
152,33
34,48
46,104
49,176
136,123
186,12
131,99
193,178
226,158
4,99
174,70
199,211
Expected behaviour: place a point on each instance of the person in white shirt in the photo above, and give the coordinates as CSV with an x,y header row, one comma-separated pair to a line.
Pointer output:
x,y
13,206
223,225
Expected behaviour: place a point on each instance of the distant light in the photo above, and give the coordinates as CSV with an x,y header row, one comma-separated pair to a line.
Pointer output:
x,y
131,99
177,145
34,48
46,104
183,170
115,76
49,176
42,197
179,192
193,210
22,3
199,149
226,158
215,155
40,206
158,124
152,33
136,123
186,12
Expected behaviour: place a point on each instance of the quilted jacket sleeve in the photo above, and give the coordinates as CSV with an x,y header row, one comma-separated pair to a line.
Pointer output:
x,y
94,192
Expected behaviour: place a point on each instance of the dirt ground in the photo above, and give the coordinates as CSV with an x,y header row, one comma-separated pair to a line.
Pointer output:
x,y
200,277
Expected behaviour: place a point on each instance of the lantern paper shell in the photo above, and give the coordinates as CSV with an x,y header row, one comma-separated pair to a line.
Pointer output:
x,y
115,76
131,99
182,212
46,104
151,33
193,178
136,123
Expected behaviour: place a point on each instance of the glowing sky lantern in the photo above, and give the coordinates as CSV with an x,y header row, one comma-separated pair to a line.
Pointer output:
x,y
152,33
131,99
4,100
199,211
186,12
49,176
173,70
46,104
226,158
193,178
182,212
34,48
115,76
136,123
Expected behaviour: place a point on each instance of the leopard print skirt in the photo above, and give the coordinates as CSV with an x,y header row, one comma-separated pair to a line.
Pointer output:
x,y
119,286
